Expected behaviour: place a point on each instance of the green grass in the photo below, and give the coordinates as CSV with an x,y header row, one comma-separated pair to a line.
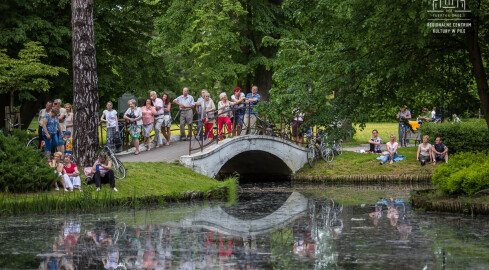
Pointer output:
x,y
356,195
146,183
363,135
351,163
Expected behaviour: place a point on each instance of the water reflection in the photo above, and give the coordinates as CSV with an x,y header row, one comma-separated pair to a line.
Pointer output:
x,y
296,232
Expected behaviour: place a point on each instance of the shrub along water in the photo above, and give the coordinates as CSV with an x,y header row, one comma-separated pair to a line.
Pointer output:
x,y
21,168
469,136
465,174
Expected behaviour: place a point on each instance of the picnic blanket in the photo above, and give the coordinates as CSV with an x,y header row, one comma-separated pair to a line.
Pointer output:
x,y
397,159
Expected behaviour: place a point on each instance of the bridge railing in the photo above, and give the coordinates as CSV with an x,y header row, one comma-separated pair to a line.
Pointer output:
x,y
203,137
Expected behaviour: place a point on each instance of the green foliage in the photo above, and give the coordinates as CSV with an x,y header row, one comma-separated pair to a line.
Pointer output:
x,y
466,173
26,73
467,136
371,56
217,44
22,169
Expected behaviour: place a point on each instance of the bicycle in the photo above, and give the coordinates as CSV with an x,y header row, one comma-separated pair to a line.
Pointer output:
x,y
312,151
286,132
33,139
117,166
264,127
337,147
326,151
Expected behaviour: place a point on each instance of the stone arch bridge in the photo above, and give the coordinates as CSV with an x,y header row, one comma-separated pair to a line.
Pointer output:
x,y
252,154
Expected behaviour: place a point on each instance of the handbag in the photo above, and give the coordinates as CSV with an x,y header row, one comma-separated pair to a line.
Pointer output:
x,y
117,140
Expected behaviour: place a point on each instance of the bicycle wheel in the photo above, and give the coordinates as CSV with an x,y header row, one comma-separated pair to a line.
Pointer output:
x,y
33,143
118,168
340,148
311,156
327,153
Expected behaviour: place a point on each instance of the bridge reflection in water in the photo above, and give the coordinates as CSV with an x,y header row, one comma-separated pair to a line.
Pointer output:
x,y
268,227
243,236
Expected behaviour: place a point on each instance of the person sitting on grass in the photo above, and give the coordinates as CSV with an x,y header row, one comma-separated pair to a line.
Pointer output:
x,y
102,170
375,143
71,175
439,151
424,151
58,169
392,149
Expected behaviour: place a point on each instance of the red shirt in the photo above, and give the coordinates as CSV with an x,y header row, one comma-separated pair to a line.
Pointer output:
x,y
71,169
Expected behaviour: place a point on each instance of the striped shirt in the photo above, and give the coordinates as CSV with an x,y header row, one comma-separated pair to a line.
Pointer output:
x,y
185,101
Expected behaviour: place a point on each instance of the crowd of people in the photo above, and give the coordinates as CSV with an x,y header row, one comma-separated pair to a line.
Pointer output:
x,y
55,131
426,152
238,116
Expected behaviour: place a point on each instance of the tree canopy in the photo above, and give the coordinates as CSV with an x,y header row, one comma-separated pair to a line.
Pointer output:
x,y
26,74
352,59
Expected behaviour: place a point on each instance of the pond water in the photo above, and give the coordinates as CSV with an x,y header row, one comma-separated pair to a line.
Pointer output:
x,y
270,227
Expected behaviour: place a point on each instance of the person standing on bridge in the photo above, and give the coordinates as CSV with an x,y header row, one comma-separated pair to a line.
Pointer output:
x,y
185,103
160,112
198,109
250,116
207,114
224,111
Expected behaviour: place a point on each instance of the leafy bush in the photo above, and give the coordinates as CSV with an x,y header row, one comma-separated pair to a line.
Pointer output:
x,y
469,136
21,168
466,173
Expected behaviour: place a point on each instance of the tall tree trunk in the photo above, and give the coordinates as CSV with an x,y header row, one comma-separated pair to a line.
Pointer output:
x,y
85,83
472,35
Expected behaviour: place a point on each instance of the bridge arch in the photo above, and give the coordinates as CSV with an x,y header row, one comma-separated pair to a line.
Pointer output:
x,y
253,153
218,220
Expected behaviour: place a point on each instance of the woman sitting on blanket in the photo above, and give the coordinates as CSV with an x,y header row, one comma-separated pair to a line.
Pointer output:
x,y
392,149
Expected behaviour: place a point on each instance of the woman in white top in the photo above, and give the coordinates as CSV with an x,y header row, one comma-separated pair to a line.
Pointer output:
x,y
135,117
69,118
392,149
424,151
224,110
207,114
109,116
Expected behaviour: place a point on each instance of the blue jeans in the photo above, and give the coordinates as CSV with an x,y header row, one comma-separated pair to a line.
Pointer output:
x,y
388,157
52,142
402,133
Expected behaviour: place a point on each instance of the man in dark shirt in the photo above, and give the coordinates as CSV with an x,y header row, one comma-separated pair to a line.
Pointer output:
x,y
440,151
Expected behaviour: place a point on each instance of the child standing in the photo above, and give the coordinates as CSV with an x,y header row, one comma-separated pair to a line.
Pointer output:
x,y
68,142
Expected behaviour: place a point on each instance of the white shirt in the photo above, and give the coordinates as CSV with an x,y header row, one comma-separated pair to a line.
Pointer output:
x,y
225,108
110,117
185,101
62,111
433,114
159,103
138,113
425,151
234,99
391,146
40,119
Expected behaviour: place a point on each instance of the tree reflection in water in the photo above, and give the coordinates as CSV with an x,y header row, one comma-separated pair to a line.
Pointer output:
x,y
304,233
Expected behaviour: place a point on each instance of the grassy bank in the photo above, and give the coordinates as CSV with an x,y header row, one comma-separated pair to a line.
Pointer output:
x,y
356,164
145,184
435,200
359,194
